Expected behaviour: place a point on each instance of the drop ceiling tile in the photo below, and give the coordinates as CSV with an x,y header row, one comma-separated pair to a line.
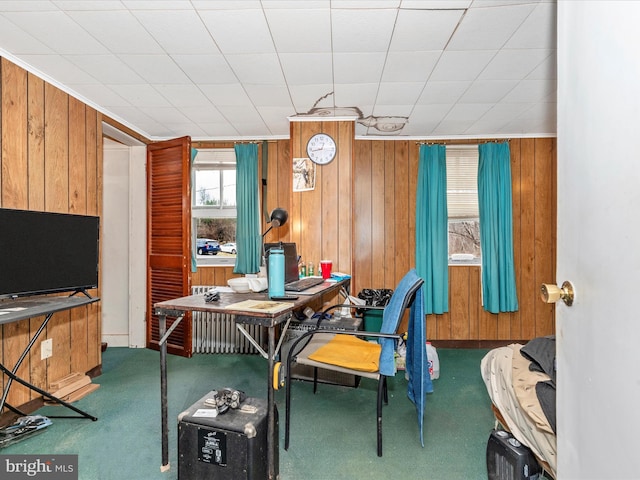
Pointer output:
x,y
119,31
399,93
362,30
223,27
259,68
276,119
307,68
409,66
226,4
28,6
538,30
226,95
71,5
547,69
355,94
529,91
300,31
368,67
422,30
56,30
443,92
100,96
58,69
178,32
15,40
158,4
142,96
218,131
166,115
488,28
305,97
107,69
513,64
206,69
269,96
436,4
461,65
183,95
156,68
488,91
204,113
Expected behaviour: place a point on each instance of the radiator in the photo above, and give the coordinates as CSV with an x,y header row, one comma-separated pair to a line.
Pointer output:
x,y
217,332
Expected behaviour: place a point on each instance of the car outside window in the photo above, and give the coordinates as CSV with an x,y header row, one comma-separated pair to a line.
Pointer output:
x,y
213,205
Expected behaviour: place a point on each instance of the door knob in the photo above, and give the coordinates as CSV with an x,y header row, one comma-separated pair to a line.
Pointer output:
x,y
552,293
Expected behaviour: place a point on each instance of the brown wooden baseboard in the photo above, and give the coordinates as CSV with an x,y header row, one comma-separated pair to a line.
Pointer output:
x,y
478,344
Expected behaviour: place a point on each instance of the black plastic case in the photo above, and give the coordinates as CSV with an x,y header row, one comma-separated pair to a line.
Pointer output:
x,y
232,445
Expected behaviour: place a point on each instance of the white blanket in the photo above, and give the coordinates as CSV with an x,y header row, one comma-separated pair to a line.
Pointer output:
x,y
520,410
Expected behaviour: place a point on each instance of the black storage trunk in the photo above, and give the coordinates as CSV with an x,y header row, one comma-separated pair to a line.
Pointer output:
x,y
508,459
231,446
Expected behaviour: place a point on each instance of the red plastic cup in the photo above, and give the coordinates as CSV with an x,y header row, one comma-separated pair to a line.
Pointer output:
x,y
325,267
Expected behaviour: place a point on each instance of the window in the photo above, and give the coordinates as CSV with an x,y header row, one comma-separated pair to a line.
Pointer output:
x,y
462,204
213,206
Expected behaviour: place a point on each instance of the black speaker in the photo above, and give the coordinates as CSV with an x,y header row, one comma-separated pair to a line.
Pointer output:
x,y
229,446
508,459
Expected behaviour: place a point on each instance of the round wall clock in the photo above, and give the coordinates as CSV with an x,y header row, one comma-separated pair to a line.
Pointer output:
x,y
321,148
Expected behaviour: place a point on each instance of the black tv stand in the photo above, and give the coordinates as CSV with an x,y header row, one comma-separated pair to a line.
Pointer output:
x,y
13,310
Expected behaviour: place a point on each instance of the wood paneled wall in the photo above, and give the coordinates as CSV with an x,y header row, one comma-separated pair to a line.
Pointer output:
x,y
384,238
51,160
362,215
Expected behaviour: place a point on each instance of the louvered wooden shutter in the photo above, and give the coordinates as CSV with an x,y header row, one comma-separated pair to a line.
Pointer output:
x,y
168,236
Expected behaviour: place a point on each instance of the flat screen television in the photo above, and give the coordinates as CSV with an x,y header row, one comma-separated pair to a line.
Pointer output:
x,y
43,252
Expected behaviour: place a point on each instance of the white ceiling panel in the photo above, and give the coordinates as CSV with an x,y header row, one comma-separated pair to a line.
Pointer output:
x,y
109,69
206,69
307,68
300,30
178,32
362,30
482,29
56,30
420,30
461,65
119,31
409,66
261,68
18,41
239,31
358,67
238,69
229,94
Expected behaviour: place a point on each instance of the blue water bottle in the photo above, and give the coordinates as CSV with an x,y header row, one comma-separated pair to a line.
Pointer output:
x,y
276,272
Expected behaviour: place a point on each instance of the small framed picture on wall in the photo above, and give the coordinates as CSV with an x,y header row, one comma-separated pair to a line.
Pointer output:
x,y
304,174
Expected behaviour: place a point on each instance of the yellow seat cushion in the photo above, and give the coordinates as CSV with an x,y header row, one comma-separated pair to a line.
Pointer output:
x,y
351,352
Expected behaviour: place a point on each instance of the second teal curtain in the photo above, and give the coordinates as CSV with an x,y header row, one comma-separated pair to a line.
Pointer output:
x,y
248,237
432,228
496,229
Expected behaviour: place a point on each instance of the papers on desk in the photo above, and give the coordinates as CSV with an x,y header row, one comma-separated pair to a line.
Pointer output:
x,y
264,306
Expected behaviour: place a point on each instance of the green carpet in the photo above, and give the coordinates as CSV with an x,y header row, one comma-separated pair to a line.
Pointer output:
x,y
333,433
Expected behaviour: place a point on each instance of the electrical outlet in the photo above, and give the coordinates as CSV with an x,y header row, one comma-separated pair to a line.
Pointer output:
x,y
46,349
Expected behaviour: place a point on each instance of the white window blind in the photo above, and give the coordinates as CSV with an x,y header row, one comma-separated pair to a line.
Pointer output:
x,y
462,181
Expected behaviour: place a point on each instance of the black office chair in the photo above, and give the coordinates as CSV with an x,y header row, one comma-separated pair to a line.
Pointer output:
x,y
345,352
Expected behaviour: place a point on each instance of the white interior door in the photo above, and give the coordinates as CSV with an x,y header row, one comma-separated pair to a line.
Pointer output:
x,y
598,232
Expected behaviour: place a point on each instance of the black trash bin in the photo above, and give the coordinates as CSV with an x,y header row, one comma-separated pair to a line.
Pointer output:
x,y
376,298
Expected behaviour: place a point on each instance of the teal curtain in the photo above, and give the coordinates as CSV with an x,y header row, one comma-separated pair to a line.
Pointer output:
x,y
248,237
194,263
432,228
496,229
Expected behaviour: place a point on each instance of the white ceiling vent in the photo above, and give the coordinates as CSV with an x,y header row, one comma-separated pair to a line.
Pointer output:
x,y
215,156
